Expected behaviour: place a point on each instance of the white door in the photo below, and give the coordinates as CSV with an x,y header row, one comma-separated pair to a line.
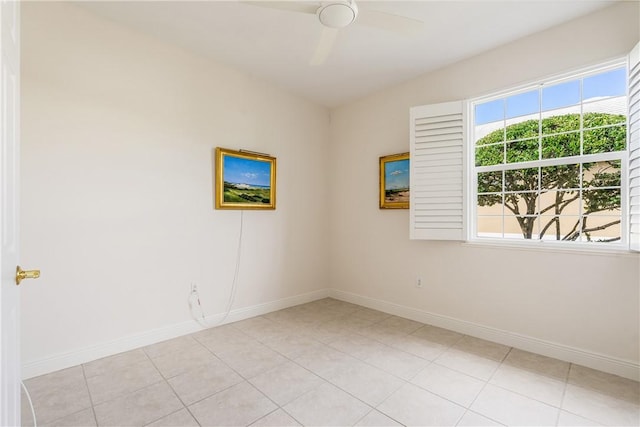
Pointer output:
x,y
9,212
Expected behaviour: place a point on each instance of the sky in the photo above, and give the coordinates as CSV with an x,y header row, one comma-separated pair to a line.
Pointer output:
x,y
396,174
607,84
239,170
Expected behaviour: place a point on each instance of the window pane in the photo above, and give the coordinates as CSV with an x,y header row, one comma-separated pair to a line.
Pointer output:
x,y
489,134
564,145
615,106
605,140
489,204
522,151
522,203
600,229
561,95
490,155
601,174
489,112
563,176
600,200
490,137
518,129
601,219
610,83
520,227
521,179
608,212
562,122
599,119
489,226
490,182
562,227
523,104
560,203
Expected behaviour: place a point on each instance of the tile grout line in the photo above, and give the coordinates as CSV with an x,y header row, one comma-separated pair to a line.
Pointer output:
x,y
86,383
364,416
166,380
93,404
486,383
208,396
564,392
248,380
326,380
559,407
332,383
329,337
405,381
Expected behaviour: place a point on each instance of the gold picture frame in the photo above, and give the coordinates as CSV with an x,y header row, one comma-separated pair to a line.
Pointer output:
x,y
394,181
244,180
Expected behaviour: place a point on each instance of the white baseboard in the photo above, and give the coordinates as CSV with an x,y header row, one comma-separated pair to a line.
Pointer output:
x,y
59,361
623,368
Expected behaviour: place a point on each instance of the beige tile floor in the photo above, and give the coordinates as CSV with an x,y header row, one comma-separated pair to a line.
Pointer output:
x,y
330,363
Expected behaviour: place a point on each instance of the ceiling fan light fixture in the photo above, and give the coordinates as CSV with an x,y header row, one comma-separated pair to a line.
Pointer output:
x,y
337,14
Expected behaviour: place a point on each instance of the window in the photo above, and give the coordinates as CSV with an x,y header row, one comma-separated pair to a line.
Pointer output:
x,y
549,161
555,162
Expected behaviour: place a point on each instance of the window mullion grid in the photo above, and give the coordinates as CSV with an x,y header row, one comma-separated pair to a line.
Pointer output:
x,y
578,160
539,195
504,131
539,158
557,161
580,204
504,189
504,162
580,169
540,122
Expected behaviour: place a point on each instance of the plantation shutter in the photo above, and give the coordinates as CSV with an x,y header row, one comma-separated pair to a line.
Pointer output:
x,y
634,148
437,198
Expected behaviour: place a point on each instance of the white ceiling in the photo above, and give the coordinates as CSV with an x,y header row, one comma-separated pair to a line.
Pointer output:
x,y
277,45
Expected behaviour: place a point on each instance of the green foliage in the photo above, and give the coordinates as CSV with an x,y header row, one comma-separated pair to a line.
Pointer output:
x,y
604,140
560,139
234,194
558,124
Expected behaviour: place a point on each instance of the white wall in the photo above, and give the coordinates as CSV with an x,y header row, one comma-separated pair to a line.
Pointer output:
x,y
117,209
582,301
118,132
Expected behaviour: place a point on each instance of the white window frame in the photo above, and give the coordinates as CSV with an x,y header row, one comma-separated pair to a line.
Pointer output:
x,y
472,170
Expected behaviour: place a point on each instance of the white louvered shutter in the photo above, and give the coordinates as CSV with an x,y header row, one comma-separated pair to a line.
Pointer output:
x,y
634,148
437,201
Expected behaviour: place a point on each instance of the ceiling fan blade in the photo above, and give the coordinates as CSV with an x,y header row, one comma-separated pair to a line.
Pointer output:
x,y
291,6
325,46
390,22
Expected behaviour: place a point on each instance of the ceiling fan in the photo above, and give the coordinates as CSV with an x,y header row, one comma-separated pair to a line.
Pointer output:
x,y
337,14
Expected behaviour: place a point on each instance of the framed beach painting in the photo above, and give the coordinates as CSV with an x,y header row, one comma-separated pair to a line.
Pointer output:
x,y
394,181
244,180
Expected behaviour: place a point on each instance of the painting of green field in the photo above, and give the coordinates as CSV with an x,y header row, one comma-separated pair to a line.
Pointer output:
x,y
245,193
247,181
244,180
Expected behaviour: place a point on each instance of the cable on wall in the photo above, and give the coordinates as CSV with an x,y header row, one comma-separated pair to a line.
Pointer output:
x,y
195,307
33,411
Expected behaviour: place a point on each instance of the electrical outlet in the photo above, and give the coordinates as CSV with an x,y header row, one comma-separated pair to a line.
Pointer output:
x,y
418,282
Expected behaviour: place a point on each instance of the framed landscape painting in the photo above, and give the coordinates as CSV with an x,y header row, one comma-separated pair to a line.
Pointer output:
x,y
394,181
244,180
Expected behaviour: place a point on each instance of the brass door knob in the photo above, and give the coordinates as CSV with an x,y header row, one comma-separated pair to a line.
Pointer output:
x,y
26,274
